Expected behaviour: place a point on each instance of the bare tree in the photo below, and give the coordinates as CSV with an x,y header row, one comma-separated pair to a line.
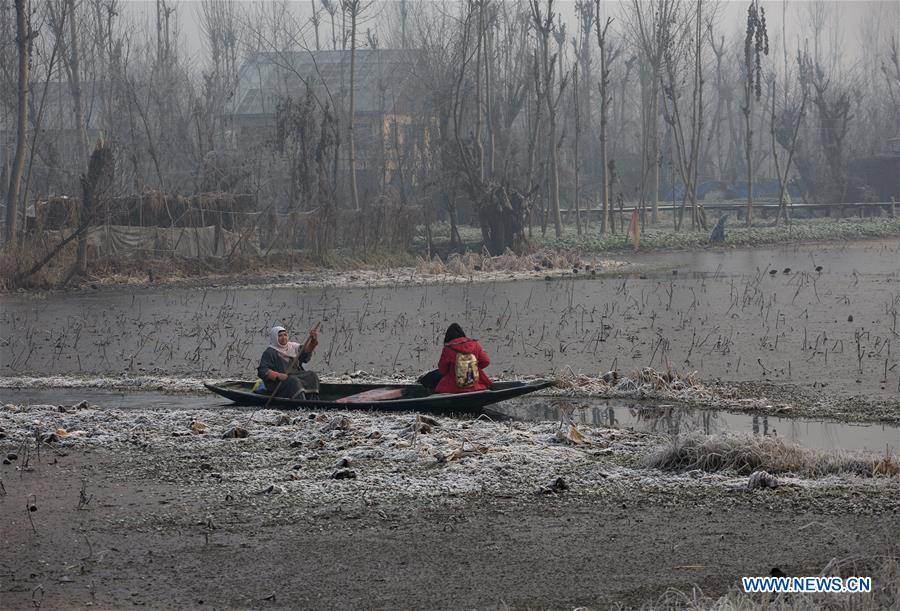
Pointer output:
x,y
756,44
722,91
331,7
219,23
502,210
479,101
353,9
686,129
605,100
24,37
891,72
535,130
833,103
785,128
544,26
581,91
315,19
816,16
64,20
651,25
575,147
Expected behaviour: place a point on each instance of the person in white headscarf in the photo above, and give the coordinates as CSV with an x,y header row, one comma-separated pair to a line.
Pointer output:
x,y
281,365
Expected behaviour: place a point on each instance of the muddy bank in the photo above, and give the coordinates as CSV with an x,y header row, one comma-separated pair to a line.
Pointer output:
x,y
154,544
317,459
151,508
795,400
413,271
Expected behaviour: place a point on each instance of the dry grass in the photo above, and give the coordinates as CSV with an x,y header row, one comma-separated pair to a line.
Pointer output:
x,y
885,574
109,270
13,262
646,382
669,380
745,454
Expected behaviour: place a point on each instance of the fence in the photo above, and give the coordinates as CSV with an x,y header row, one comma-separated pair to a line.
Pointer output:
x,y
152,209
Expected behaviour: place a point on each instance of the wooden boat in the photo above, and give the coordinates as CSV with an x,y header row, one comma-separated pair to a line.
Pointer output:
x,y
398,397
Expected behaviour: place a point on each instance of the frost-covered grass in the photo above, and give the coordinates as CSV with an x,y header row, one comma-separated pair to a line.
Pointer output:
x,y
124,382
471,262
664,237
343,458
885,574
744,454
300,452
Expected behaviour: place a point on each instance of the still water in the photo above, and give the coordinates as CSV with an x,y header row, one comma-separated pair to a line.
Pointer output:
x,y
673,420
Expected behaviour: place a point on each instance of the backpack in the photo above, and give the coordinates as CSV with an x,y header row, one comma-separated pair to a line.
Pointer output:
x,y
466,370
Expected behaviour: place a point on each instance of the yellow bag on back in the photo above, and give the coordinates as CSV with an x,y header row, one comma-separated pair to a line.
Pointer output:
x,y
466,370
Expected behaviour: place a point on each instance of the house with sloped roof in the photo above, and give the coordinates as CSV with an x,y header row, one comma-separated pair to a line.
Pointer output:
x,y
388,122
876,177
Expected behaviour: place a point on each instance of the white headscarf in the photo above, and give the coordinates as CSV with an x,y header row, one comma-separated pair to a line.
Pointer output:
x,y
291,350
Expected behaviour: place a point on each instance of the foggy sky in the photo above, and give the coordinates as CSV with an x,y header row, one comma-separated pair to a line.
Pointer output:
x,y
851,26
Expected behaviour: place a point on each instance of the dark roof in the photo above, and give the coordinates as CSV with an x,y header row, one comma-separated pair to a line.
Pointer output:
x,y
383,79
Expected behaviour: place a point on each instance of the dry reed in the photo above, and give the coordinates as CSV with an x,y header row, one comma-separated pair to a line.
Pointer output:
x,y
885,574
744,454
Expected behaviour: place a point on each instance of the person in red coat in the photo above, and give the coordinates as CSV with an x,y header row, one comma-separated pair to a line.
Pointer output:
x,y
462,363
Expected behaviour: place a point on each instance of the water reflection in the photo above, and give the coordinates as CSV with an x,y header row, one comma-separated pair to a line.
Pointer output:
x,y
765,421
672,420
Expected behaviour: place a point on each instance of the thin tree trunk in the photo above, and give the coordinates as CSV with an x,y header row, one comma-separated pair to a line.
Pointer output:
x,y
783,177
577,139
781,180
654,122
554,180
72,61
39,120
544,26
316,21
351,141
645,139
74,64
333,31
717,119
748,148
698,120
404,11
479,110
604,119
23,42
489,101
533,141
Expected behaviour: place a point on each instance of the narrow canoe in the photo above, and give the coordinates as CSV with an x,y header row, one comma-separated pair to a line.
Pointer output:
x,y
412,397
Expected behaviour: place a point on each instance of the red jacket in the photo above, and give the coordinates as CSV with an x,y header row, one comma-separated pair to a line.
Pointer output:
x,y
447,365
